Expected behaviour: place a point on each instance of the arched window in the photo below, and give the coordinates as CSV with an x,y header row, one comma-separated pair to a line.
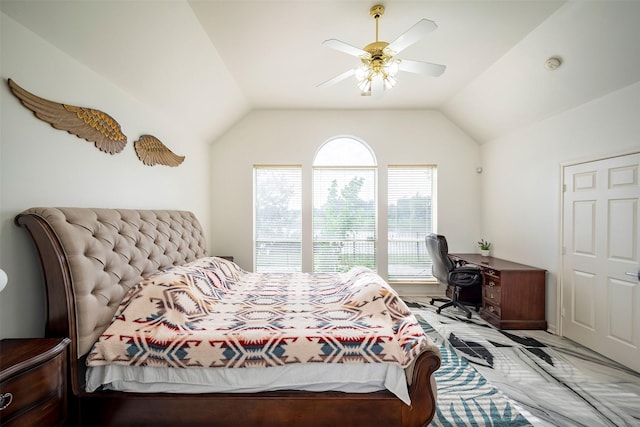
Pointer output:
x,y
344,151
344,205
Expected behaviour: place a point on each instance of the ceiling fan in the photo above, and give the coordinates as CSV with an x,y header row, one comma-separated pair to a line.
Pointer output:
x,y
379,63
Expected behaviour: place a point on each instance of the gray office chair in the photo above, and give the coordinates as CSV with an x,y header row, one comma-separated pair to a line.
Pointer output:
x,y
456,277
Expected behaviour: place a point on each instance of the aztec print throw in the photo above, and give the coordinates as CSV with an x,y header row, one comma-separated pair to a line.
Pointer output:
x,y
211,313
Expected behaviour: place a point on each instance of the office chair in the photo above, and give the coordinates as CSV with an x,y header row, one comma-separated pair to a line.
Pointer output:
x,y
456,277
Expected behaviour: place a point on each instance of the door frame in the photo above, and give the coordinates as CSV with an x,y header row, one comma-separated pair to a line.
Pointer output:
x,y
560,282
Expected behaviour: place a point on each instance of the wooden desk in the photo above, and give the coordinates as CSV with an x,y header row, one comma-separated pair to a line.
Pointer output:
x,y
513,295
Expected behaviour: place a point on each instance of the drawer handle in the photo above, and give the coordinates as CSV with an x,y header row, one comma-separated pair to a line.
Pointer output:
x,y
5,400
491,309
492,284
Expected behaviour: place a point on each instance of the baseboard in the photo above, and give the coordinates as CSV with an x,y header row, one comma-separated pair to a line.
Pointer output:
x,y
421,290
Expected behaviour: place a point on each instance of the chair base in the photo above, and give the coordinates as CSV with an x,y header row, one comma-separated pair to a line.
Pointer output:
x,y
455,303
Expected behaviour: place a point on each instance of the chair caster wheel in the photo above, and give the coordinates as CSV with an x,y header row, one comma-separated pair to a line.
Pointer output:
x,y
432,301
438,311
468,315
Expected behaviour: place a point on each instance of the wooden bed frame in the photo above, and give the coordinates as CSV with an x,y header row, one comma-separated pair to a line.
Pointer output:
x,y
90,257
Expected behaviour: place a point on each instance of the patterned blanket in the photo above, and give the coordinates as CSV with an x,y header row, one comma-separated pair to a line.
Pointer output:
x,y
211,313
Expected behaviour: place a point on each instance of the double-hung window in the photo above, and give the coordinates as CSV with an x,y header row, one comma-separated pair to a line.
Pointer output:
x,y
410,218
277,218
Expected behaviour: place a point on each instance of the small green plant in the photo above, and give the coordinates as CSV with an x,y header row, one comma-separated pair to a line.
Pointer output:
x,y
484,245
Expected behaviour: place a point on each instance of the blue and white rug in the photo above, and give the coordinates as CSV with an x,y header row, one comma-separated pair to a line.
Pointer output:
x,y
465,398
548,380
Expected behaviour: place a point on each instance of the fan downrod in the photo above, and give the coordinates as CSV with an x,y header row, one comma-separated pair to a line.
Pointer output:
x,y
376,49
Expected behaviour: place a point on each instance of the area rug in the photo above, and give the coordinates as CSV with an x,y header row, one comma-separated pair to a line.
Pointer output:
x,y
550,380
465,397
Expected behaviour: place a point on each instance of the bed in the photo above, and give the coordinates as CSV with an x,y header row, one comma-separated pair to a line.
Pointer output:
x,y
97,263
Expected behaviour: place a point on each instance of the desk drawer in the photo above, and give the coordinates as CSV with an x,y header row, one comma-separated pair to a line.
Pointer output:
x,y
491,292
491,277
491,289
493,310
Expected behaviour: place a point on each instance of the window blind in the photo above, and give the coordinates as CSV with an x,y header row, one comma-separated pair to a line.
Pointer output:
x,y
410,219
344,218
277,219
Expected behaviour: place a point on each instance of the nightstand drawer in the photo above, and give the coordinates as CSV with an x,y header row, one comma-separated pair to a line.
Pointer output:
x,y
32,387
33,382
44,414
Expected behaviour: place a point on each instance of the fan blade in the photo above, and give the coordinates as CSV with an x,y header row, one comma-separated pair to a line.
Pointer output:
x,y
420,67
344,47
412,35
338,78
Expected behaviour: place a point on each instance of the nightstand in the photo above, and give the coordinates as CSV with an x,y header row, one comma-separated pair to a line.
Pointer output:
x,y
33,382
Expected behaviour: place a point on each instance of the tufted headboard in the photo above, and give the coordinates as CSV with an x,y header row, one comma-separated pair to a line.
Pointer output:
x,y
91,257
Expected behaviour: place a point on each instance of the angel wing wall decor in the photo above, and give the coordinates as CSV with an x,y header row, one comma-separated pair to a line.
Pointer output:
x,y
151,151
93,125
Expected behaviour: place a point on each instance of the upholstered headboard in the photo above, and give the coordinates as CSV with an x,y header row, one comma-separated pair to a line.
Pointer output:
x,y
91,257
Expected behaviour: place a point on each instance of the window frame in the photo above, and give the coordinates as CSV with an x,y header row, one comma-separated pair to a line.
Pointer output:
x,y
344,163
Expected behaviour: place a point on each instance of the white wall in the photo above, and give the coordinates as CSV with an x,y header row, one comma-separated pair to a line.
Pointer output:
x,y
292,137
521,178
42,166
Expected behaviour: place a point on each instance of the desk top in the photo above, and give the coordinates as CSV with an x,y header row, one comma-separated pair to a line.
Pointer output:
x,y
493,263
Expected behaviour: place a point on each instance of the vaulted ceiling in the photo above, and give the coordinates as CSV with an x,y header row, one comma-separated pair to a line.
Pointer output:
x,y
209,62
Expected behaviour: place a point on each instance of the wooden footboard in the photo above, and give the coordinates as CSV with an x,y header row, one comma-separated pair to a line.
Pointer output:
x,y
290,409
53,233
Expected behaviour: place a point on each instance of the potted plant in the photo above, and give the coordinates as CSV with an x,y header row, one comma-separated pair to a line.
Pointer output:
x,y
484,247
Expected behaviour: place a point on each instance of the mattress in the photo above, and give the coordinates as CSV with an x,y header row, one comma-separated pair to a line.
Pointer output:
x,y
352,378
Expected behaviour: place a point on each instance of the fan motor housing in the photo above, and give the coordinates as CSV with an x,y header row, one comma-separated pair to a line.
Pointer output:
x,y
378,57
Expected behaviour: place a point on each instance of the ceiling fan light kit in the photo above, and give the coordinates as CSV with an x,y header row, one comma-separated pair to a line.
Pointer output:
x,y
379,65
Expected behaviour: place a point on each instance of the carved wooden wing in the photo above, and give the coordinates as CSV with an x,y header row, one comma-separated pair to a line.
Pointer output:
x,y
152,152
93,125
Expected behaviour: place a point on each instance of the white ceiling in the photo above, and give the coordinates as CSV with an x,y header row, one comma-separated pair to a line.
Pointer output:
x,y
209,61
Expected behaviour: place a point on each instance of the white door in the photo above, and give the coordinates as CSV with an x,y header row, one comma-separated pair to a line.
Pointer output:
x,y
601,239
